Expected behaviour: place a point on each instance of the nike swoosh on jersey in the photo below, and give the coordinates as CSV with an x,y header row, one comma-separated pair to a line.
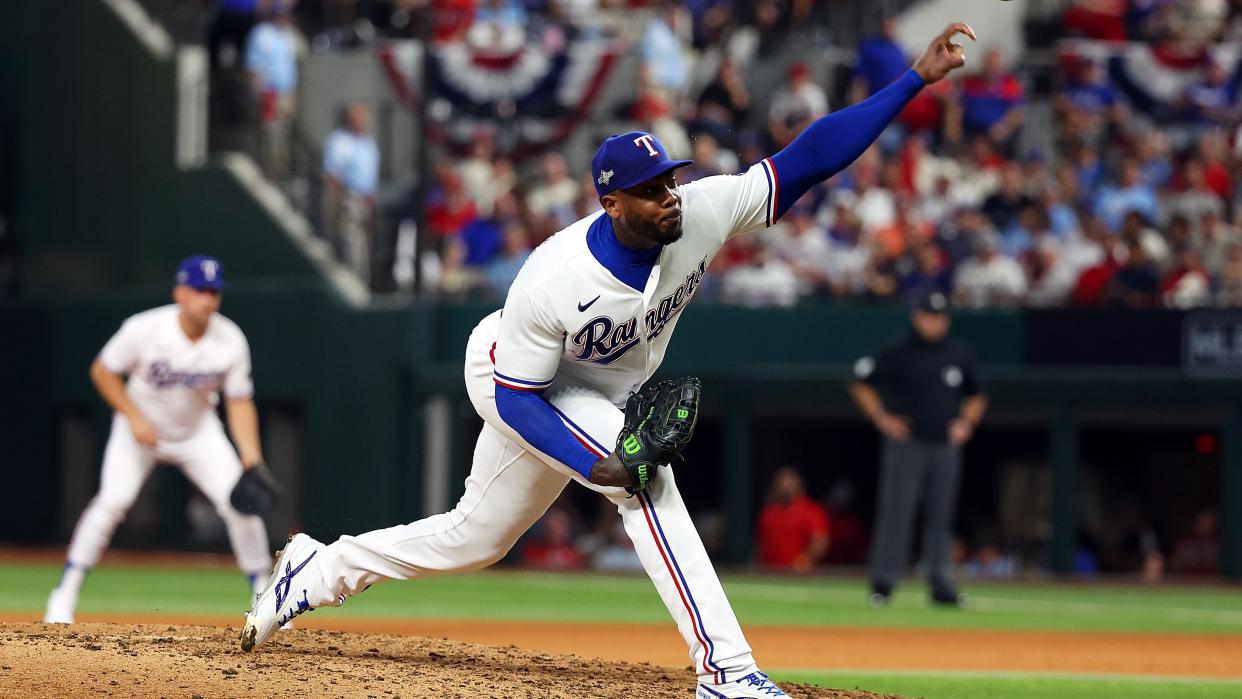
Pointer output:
x,y
583,306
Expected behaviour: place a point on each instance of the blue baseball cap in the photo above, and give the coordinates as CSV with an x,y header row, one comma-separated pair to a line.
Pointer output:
x,y
628,159
201,272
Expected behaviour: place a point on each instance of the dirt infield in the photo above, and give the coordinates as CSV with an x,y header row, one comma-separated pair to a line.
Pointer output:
x,y
1130,653
128,660
337,656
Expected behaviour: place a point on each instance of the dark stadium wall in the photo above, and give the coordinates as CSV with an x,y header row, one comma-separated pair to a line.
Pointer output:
x,y
103,215
99,201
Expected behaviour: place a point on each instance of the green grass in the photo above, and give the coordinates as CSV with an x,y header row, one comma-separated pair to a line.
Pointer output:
x,y
512,595
515,595
971,685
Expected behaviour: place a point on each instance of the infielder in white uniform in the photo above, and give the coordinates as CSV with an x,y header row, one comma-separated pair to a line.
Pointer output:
x,y
585,324
178,358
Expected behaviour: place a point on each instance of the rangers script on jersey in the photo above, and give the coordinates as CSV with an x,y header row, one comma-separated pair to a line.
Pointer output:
x,y
567,318
173,380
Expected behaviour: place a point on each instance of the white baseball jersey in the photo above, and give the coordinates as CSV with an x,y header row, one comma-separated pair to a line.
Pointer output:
x,y
567,318
571,327
175,381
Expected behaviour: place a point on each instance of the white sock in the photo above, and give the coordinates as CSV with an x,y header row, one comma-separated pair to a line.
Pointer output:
x,y
71,579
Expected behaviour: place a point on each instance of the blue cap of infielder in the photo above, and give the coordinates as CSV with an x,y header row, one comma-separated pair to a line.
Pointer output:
x,y
201,272
628,159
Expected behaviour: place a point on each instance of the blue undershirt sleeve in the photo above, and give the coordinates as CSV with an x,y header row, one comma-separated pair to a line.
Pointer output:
x,y
536,421
831,143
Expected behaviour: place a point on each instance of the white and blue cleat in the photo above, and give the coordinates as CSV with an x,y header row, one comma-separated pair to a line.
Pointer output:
x,y
756,685
285,596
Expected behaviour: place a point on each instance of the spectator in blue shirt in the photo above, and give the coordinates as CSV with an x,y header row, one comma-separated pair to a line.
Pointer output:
x,y
1088,103
1212,99
271,52
1089,171
484,236
513,253
881,60
662,50
1090,92
1062,219
350,178
1129,194
272,62
350,156
1025,232
1151,150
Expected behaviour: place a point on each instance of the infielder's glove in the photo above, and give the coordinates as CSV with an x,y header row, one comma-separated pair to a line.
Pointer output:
x,y
659,422
256,491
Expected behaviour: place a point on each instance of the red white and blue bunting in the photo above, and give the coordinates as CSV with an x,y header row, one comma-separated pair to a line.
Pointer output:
x,y
1153,78
535,93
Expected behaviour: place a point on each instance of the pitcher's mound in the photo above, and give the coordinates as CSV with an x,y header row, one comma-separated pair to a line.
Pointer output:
x,y
122,660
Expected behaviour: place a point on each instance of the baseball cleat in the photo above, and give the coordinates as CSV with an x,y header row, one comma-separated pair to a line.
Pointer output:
x,y
285,596
752,686
948,598
59,608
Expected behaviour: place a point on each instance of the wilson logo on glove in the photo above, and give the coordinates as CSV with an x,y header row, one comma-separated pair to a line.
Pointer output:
x,y
659,422
631,445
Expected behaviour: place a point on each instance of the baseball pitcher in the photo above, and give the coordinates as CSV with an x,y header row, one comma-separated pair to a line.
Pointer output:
x,y
559,376
178,358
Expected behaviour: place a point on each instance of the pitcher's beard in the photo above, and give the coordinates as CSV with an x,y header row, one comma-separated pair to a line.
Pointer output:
x,y
661,234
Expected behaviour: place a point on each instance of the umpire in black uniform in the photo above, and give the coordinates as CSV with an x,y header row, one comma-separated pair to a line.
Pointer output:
x,y
923,395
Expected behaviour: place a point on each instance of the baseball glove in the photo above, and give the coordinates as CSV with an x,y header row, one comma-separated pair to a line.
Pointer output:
x,y
256,491
659,422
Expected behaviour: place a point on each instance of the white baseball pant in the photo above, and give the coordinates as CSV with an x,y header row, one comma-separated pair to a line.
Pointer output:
x,y
206,458
510,486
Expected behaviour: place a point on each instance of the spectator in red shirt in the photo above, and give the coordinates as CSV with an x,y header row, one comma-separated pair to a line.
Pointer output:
x,y
793,529
449,207
992,100
925,112
1212,152
1096,274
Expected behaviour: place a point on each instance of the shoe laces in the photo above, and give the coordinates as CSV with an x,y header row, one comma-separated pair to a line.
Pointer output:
x,y
282,592
760,681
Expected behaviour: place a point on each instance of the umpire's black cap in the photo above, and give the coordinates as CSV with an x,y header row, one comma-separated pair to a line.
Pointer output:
x,y
930,302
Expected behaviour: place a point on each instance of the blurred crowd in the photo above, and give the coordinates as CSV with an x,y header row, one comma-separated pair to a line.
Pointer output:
x,y
1121,207
1186,22
1116,214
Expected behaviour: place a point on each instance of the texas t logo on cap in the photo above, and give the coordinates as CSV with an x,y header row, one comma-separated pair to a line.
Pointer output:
x,y
201,272
629,159
646,140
